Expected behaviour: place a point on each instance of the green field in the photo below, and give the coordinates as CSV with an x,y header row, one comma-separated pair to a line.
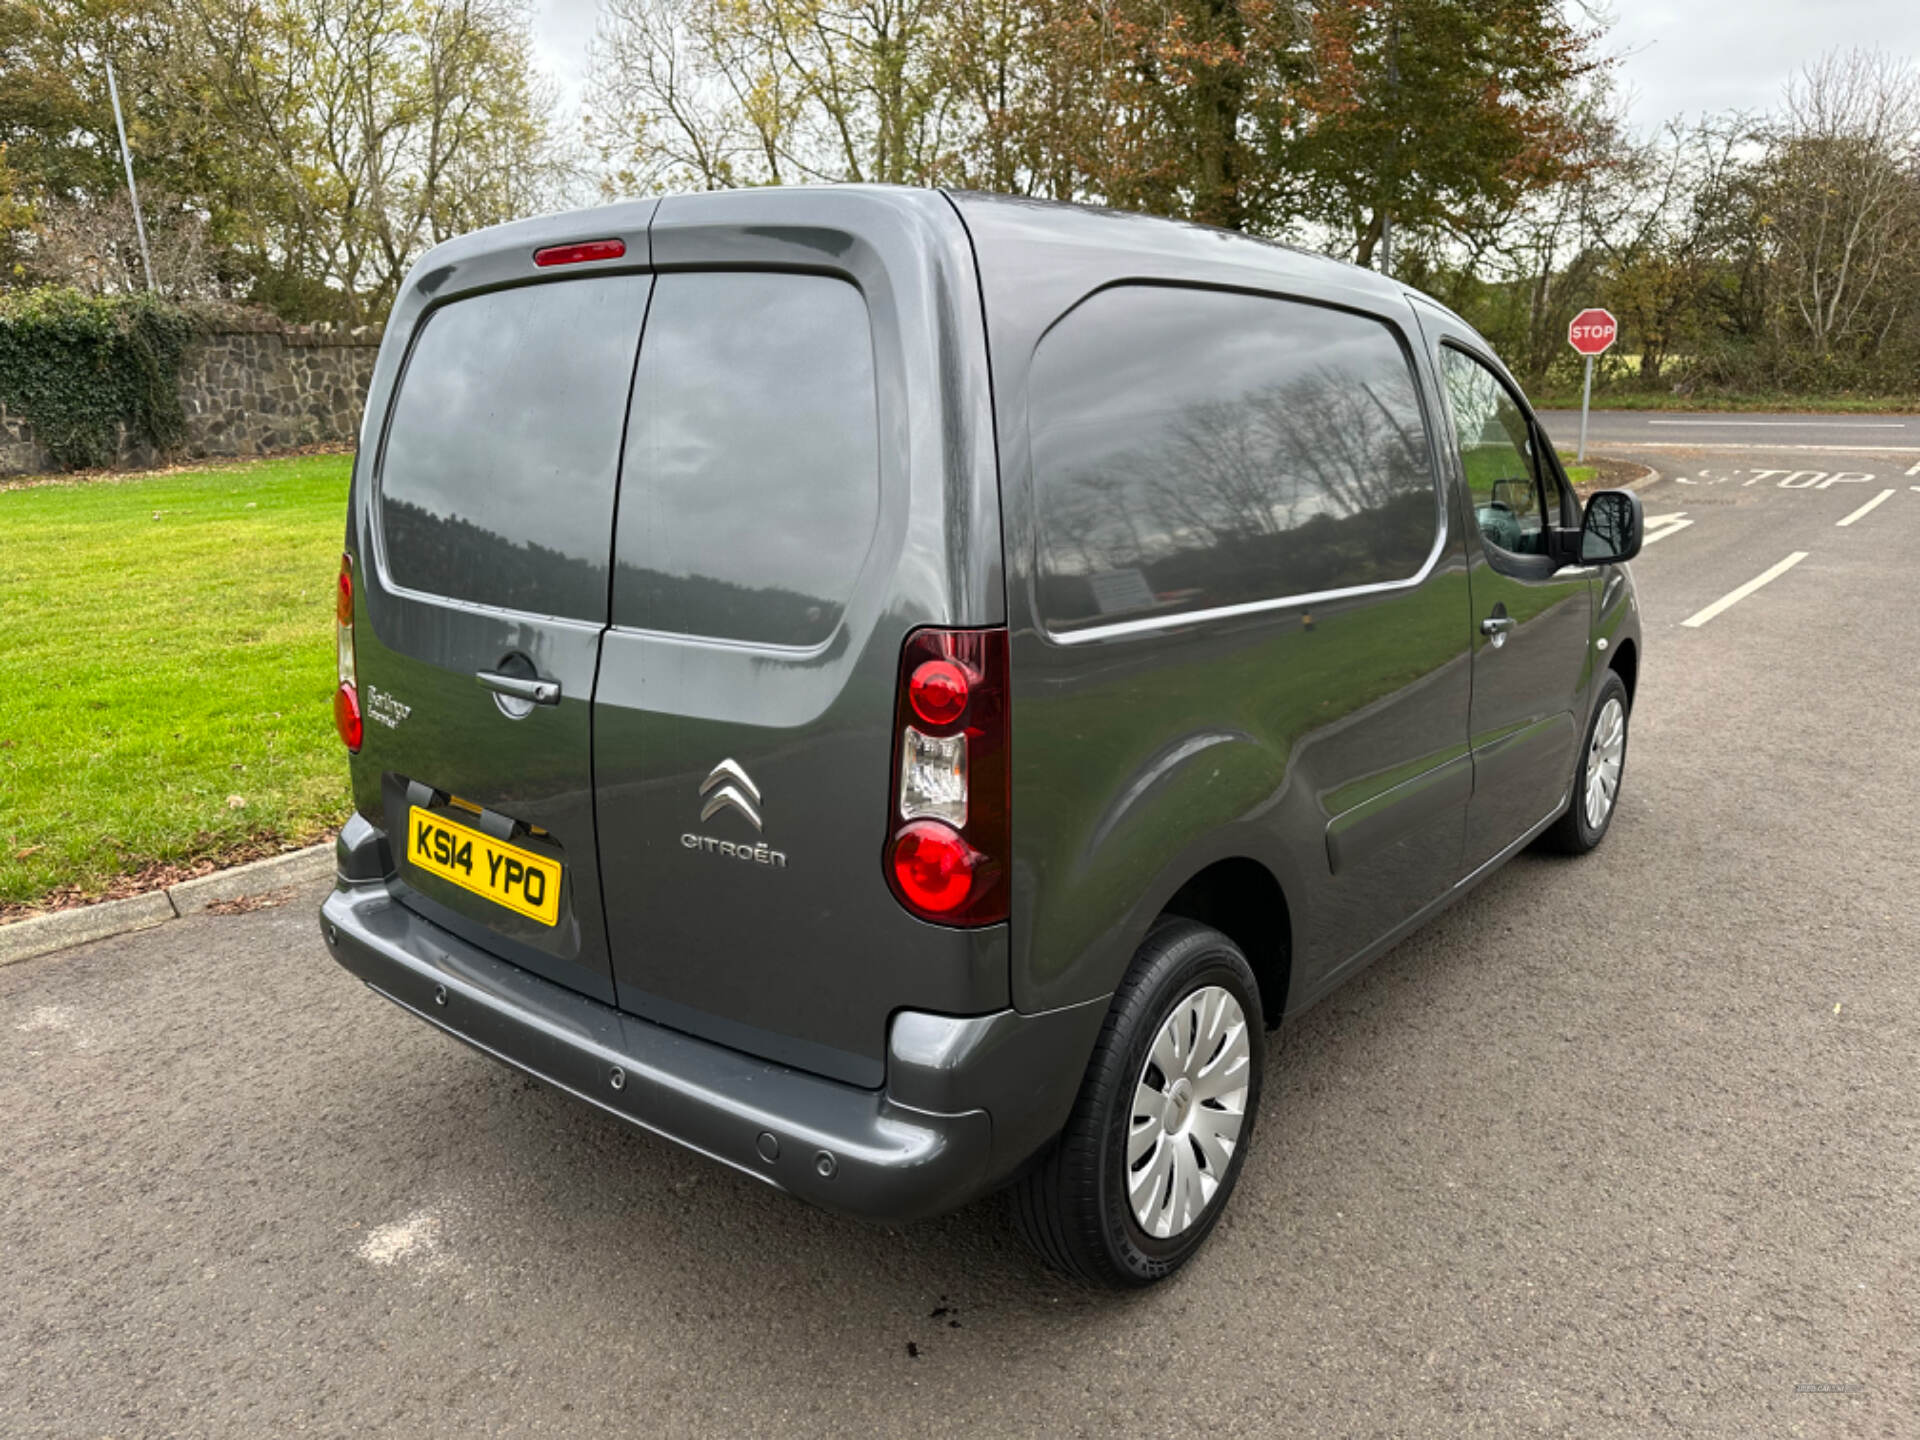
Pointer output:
x,y
165,689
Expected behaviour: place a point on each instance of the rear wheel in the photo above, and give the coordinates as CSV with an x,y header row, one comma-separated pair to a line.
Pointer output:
x,y
1596,783
1144,1167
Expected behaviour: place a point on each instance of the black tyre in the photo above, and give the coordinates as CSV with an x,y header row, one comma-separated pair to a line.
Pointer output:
x,y
1140,1174
1597,776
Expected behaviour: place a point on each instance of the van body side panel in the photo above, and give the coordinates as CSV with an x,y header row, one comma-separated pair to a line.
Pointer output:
x,y
743,726
1142,756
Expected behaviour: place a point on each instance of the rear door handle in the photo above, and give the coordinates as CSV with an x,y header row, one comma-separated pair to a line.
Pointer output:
x,y
1496,625
540,692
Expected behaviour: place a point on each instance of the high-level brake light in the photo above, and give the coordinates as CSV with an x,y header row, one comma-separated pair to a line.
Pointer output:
x,y
579,253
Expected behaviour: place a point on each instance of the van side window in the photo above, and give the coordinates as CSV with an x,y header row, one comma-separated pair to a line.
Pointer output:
x,y
496,481
1195,449
1496,455
751,490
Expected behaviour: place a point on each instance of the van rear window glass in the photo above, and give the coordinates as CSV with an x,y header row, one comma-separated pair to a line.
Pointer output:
x,y
751,484
1195,449
497,481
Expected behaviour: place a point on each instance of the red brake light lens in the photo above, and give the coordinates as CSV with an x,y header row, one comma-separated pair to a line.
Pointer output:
x,y
577,254
933,866
938,691
346,716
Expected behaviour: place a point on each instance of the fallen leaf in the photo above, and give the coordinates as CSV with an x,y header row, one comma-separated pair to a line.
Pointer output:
x,y
236,802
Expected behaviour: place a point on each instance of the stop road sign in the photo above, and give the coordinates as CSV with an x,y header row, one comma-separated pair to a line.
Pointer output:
x,y
1592,332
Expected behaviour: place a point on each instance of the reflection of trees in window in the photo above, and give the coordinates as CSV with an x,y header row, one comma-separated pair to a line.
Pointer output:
x,y
1317,482
1609,521
451,556
1494,444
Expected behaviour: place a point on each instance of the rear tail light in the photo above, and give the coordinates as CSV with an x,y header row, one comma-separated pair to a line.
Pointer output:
x,y
949,832
346,698
346,716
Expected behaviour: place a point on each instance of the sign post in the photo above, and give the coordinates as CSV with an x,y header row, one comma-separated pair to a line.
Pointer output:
x,y
1591,333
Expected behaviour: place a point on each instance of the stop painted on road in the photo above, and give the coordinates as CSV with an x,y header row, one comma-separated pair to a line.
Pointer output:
x,y
1780,479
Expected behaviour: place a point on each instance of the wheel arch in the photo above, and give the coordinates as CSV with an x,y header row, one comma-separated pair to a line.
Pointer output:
x,y
1626,664
1243,899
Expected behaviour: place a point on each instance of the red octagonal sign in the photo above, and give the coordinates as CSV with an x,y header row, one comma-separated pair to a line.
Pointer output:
x,y
1592,331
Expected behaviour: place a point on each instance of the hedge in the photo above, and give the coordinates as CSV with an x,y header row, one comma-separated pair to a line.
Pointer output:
x,y
79,367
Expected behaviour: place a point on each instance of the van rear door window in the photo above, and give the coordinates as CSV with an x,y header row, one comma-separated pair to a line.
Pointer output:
x,y
1194,449
497,478
751,484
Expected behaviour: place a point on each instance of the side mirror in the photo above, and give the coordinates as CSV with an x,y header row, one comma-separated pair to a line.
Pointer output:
x,y
1612,529
1516,495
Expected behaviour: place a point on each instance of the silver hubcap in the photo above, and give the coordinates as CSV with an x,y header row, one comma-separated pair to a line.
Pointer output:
x,y
1187,1111
1605,755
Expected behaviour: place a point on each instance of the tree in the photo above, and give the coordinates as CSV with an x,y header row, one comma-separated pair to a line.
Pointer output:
x,y
1842,196
1667,248
377,128
717,93
56,124
16,214
300,152
1422,113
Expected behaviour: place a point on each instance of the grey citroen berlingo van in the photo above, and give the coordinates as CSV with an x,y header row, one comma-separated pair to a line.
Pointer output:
x,y
899,692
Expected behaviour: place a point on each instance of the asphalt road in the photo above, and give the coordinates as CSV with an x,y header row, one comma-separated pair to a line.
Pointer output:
x,y
1614,428
1623,1146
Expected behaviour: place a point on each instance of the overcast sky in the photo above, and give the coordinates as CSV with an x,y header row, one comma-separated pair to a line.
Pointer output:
x,y
1679,56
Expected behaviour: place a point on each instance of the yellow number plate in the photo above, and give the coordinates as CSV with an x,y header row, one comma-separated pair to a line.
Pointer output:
x,y
505,874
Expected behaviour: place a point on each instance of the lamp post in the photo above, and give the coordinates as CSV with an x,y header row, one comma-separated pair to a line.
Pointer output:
x,y
133,192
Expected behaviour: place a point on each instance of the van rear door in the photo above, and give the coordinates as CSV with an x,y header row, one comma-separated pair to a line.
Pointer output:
x,y
808,454
491,512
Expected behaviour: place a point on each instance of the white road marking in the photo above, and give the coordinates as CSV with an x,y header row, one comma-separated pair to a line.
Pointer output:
x,y
1659,527
1915,470
1734,597
1866,509
1793,424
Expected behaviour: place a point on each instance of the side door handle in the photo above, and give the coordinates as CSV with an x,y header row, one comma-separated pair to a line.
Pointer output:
x,y
538,692
1496,625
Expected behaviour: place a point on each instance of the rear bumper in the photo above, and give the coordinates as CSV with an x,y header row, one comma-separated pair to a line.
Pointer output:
x,y
867,1153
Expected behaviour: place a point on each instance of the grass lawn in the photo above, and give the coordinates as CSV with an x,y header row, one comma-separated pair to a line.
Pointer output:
x,y
165,688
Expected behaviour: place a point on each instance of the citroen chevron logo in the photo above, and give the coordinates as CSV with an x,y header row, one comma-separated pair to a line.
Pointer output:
x,y
728,786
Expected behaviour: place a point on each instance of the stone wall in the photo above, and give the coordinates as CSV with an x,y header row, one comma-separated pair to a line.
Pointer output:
x,y
20,454
251,389
249,385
